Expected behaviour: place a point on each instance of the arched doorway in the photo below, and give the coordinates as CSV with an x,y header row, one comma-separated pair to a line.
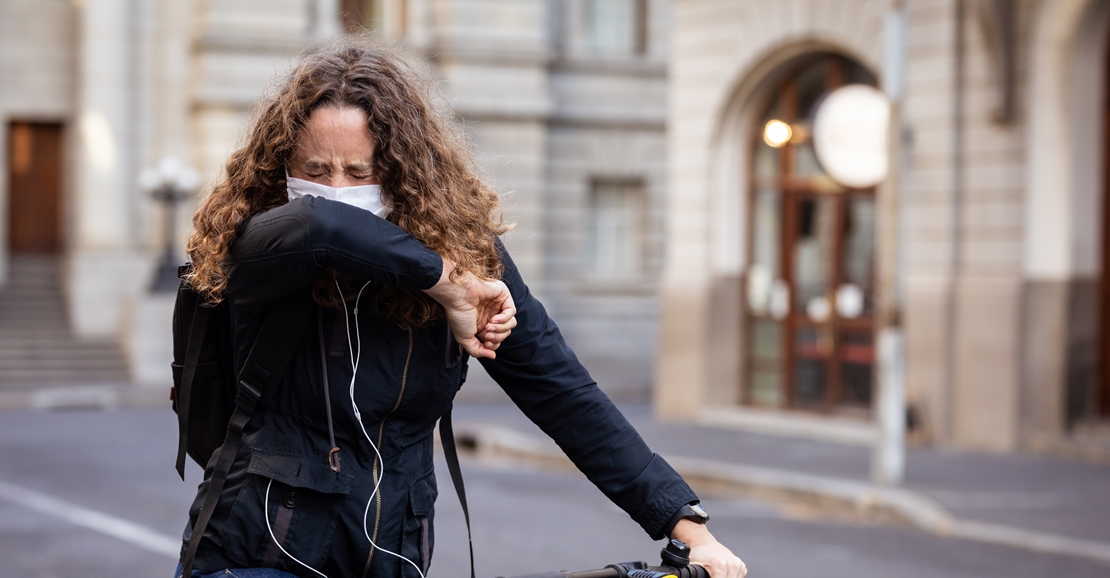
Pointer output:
x,y
809,284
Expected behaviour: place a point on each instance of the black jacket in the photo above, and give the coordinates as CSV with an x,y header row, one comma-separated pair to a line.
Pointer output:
x,y
405,382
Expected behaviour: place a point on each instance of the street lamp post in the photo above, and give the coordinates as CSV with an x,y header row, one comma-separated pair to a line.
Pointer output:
x,y
888,463
168,183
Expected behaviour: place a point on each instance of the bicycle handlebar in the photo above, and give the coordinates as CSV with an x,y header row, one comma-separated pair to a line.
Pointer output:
x,y
629,570
676,564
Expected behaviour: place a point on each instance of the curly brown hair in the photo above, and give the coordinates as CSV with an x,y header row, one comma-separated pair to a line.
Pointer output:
x,y
425,166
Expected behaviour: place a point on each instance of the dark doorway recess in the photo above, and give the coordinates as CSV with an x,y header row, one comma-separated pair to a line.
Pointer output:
x,y
1102,389
34,187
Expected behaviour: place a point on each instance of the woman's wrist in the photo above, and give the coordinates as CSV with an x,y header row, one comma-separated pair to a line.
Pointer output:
x,y
692,533
446,292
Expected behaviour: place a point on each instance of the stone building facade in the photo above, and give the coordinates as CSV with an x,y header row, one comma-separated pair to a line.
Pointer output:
x,y
564,101
1004,226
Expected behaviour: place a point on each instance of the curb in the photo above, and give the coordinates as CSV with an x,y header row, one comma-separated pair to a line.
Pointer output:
x,y
500,443
86,396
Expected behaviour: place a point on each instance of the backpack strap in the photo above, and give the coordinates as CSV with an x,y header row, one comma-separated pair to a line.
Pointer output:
x,y
281,332
447,437
188,373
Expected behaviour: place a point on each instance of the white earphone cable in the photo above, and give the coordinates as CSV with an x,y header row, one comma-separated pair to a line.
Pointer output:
x,y
355,356
266,505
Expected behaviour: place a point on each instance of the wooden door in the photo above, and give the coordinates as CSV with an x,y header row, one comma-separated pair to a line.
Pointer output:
x,y
809,289
34,187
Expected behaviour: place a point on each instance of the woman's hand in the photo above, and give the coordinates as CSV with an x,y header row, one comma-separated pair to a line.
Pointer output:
x,y
481,314
707,552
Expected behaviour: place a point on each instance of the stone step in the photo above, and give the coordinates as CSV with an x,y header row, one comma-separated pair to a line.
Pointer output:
x,y
30,311
36,345
13,338
64,374
59,350
46,359
31,322
34,284
52,307
47,289
32,315
39,301
61,378
37,334
23,281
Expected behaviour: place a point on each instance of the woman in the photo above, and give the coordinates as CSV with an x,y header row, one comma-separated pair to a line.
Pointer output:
x,y
407,264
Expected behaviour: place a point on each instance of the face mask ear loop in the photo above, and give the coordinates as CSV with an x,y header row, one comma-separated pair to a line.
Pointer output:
x,y
355,355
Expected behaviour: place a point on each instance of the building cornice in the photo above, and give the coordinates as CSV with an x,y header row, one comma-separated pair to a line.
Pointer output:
x,y
565,119
611,67
246,44
498,55
522,56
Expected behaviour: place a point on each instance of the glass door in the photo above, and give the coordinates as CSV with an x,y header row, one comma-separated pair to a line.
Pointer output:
x,y
809,287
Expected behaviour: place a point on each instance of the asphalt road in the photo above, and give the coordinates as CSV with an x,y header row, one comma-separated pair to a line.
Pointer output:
x,y
71,482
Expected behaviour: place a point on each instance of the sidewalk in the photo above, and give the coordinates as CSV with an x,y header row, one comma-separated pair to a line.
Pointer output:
x,y
81,395
1024,501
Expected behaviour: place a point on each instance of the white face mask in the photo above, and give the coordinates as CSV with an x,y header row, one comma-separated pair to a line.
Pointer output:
x,y
366,197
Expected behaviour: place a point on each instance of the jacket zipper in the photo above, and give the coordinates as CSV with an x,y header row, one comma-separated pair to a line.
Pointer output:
x,y
381,433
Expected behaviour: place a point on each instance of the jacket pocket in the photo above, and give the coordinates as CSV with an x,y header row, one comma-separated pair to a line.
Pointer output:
x,y
285,502
419,537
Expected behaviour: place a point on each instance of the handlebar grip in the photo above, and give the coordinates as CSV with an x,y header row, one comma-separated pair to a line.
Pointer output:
x,y
601,573
693,571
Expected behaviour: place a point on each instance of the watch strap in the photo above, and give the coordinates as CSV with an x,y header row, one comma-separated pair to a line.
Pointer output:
x,y
686,512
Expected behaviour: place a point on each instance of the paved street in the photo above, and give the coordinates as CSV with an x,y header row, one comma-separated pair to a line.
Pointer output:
x,y
75,465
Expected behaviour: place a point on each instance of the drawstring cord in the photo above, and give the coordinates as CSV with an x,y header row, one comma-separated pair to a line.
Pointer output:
x,y
333,455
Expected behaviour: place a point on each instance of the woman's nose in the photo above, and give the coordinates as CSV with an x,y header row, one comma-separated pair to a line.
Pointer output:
x,y
340,181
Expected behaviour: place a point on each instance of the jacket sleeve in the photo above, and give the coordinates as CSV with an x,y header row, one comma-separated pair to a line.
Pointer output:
x,y
284,249
545,379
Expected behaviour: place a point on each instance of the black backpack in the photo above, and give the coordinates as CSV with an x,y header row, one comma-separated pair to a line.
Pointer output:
x,y
213,404
203,401
206,390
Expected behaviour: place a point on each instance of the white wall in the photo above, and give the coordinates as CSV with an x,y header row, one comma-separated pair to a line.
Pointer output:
x,y
37,65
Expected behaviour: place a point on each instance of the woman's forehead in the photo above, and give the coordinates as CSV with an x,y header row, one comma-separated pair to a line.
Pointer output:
x,y
336,131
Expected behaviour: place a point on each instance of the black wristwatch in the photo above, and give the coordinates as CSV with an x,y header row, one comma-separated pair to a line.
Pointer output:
x,y
692,511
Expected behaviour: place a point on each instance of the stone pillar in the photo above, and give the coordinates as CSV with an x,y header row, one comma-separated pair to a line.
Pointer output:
x,y
164,89
101,267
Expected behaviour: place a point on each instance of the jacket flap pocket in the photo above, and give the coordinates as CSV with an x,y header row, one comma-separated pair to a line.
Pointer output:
x,y
300,473
422,495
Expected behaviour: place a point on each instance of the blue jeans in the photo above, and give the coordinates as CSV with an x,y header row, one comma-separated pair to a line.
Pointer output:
x,y
237,573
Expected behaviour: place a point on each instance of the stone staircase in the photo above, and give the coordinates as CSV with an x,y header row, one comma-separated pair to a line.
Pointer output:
x,y
37,349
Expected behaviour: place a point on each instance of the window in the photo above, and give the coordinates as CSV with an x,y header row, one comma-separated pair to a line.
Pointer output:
x,y
616,27
615,245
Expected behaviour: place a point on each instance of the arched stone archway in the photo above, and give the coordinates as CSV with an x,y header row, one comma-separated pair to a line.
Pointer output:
x,y
754,359
700,338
